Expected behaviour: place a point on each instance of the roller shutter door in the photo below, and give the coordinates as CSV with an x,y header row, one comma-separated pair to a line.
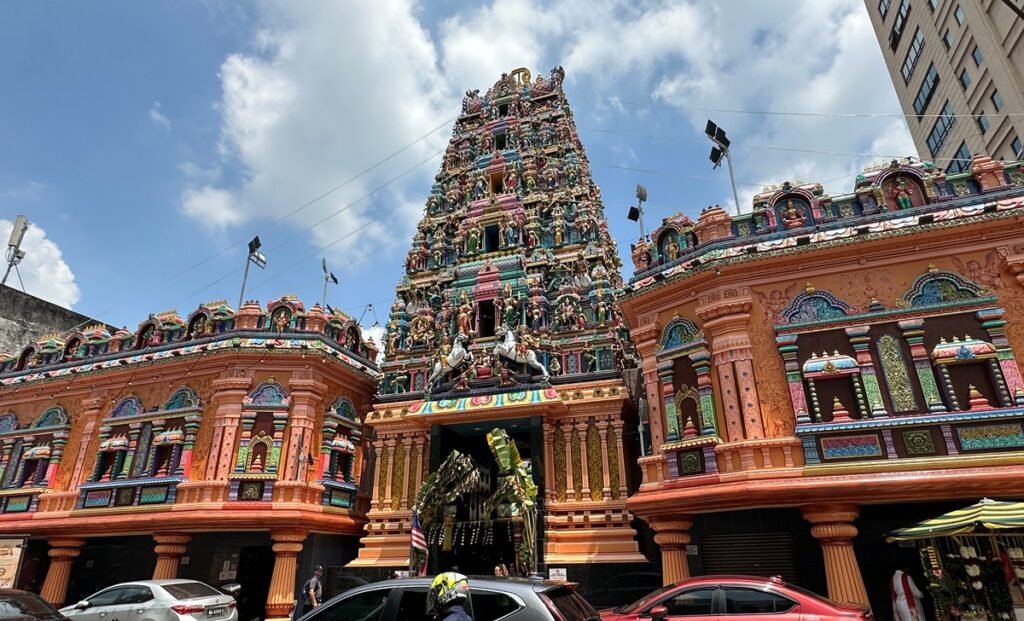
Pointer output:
x,y
758,554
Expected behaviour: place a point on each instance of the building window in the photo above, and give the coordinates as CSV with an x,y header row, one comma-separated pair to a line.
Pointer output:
x,y
977,56
912,55
959,15
948,39
983,123
931,5
899,25
924,94
997,100
941,129
1016,147
961,161
965,79
883,7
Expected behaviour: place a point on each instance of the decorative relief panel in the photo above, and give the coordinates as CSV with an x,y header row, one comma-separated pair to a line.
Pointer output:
x,y
897,378
988,437
851,447
919,442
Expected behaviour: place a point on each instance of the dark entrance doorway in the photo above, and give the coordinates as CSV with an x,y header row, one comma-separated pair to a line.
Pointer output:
x,y
255,566
478,542
106,561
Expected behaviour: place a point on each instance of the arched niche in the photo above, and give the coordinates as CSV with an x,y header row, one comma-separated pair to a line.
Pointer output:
x,y
793,210
940,287
902,189
815,305
128,407
182,399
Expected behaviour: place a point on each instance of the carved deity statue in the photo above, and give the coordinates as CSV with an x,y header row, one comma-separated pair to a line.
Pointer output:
x,y
671,249
792,216
901,192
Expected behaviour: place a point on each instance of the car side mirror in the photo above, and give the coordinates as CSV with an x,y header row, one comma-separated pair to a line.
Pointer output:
x,y
232,588
658,612
82,605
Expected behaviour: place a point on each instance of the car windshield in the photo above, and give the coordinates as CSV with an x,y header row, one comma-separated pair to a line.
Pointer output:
x,y
189,590
643,600
14,606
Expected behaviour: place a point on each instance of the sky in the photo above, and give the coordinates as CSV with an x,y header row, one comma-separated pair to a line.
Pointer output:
x,y
148,142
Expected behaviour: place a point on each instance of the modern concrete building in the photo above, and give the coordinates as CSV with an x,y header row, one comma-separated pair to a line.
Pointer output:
x,y
956,66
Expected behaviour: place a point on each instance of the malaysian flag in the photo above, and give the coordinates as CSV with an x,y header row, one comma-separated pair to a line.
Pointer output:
x,y
419,542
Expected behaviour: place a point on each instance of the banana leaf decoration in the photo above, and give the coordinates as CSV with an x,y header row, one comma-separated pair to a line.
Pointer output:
x,y
458,475
516,488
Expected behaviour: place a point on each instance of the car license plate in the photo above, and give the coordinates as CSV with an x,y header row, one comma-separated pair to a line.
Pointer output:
x,y
215,612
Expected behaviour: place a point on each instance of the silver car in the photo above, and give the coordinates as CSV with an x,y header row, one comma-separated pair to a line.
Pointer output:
x,y
155,600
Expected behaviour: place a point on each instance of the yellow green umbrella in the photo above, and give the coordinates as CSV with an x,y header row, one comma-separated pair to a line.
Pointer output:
x,y
987,514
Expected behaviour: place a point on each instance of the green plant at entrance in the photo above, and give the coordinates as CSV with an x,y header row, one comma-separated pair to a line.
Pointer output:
x,y
515,488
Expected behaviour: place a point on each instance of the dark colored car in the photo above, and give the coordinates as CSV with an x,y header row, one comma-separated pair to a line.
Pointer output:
x,y
24,606
735,598
491,599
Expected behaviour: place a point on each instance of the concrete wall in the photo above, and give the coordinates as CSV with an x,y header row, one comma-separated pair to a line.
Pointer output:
x,y
24,318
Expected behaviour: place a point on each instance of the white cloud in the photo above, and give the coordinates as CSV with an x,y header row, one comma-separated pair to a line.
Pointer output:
x,y
157,115
331,89
43,270
375,333
215,208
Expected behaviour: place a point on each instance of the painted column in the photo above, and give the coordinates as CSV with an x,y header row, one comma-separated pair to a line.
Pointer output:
x,y
227,401
281,598
726,316
134,429
672,537
788,349
861,342
6,457
914,334
832,526
420,442
307,396
191,430
407,442
645,336
63,552
150,466
549,462
581,433
93,408
170,547
993,323
390,443
617,426
701,362
602,430
60,439
668,401
378,449
245,444
570,485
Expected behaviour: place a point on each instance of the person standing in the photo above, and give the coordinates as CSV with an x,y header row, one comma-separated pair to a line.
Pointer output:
x,y
906,598
312,590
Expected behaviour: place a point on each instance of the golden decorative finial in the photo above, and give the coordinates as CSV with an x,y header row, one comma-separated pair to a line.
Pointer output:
x,y
809,288
932,268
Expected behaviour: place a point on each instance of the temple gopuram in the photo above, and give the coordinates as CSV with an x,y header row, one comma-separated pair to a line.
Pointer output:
x,y
506,318
823,370
225,446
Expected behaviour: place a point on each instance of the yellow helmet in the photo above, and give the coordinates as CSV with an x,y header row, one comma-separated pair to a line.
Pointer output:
x,y
447,588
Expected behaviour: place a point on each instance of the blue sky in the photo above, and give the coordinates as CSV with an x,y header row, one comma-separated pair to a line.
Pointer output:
x,y
148,142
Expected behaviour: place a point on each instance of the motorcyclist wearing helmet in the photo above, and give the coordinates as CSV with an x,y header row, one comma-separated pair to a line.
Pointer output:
x,y
448,593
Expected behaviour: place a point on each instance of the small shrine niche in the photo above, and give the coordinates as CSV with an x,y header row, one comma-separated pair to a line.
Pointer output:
x,y
684,370
903,191
136,444
30,455
969,374
792,211
264,418
834,388
340,454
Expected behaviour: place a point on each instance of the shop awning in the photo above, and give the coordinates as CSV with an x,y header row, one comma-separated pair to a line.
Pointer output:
x,y
986,515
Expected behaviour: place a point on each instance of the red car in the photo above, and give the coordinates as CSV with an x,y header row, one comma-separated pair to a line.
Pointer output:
x,y
735,598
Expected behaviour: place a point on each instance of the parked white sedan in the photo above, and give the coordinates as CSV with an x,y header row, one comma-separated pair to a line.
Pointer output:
x,y
155,600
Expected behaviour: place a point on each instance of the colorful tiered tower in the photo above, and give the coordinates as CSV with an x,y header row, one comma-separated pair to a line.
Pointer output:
x,y
507,317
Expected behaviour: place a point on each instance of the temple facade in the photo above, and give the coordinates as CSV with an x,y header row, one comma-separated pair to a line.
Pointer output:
x,y
507,317
822,370
220,446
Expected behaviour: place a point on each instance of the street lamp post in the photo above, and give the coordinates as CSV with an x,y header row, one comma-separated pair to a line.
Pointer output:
x,y
636,214
257,259
720,150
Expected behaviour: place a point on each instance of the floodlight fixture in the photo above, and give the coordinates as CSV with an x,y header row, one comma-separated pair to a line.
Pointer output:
x,y
254,257
14,252
641,193
636,213
721,149
329,277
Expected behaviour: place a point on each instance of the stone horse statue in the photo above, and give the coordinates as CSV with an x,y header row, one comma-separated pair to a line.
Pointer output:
x,y
508,348
452,361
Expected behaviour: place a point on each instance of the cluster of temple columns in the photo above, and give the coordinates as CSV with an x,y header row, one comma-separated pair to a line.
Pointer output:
x,y
831,524
169,548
